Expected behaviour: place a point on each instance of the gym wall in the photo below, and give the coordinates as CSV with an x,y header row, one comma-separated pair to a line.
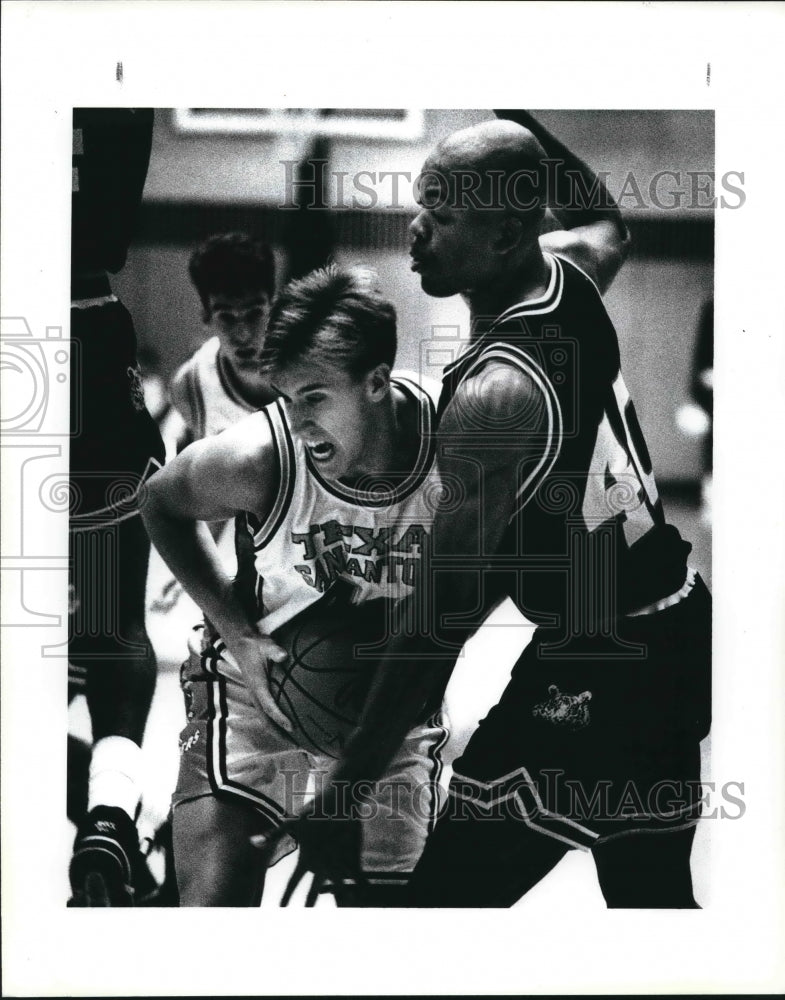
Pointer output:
x,y
199,185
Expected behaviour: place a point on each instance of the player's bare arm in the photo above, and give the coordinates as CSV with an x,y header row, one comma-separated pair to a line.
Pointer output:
x,y
215,479
489,466
592,234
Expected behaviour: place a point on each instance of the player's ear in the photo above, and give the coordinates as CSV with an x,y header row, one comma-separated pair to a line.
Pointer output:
x,y
207,301
378,382
510,234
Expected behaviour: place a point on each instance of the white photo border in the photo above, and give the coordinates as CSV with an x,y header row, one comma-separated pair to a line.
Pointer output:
x,y
592,56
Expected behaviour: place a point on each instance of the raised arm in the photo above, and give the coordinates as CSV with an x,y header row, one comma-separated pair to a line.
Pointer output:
x,y
213,480
593,233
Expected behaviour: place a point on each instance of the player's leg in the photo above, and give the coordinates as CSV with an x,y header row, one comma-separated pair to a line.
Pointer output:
x,y
109,643
476,860
237,779
401,812
120,688
652,869
481,857
216,864
117,444
78,770
121,684
162,841
647,870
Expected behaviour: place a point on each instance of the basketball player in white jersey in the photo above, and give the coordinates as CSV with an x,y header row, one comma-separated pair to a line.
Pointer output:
x,y
220,383
323,479
234,276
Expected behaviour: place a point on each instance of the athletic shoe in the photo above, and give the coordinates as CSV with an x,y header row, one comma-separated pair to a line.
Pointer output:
x,y
105,860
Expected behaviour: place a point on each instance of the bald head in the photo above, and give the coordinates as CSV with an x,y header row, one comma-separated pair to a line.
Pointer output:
x,y
497,164
481,194
493,145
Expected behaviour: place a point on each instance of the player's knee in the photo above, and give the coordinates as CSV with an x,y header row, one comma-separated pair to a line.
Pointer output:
x,y
214,862
203,875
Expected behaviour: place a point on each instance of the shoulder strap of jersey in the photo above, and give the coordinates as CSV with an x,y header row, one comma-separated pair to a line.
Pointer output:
x,y
195,397
426,392
571,263
283,444
546,303
227,387
553,433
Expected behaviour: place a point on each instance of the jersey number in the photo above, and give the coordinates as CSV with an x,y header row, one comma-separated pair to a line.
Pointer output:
x,y
620,479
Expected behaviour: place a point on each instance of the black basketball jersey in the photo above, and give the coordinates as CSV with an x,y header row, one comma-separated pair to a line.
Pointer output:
x,y
111,153
588,540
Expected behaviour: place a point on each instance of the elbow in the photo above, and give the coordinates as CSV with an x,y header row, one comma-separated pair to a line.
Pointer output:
x,y
150,499
620,239
614,259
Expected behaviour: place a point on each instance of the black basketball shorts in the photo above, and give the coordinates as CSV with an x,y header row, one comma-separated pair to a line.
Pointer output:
x,y
599,737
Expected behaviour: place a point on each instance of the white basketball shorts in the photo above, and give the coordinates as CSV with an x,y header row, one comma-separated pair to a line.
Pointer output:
x,y
229,747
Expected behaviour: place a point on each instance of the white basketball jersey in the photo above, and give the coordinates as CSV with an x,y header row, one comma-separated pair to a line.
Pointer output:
x,y
320,531
212,403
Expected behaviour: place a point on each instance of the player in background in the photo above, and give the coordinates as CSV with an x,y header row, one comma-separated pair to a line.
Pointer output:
x,y
320,479
594,743
234,276
114,448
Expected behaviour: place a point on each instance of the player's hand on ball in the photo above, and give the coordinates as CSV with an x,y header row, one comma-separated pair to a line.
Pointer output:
x,y
252,651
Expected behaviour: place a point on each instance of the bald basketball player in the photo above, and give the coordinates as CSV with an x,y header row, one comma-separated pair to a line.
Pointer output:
x,y
594,744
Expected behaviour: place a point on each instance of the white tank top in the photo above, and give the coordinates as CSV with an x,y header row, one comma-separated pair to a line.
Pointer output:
x,y
319,531
212,404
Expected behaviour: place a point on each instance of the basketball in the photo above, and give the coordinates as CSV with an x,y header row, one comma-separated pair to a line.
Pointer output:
x,y
322,685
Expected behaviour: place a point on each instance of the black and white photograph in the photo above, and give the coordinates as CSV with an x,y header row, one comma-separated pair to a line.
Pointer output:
x,y
367,541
